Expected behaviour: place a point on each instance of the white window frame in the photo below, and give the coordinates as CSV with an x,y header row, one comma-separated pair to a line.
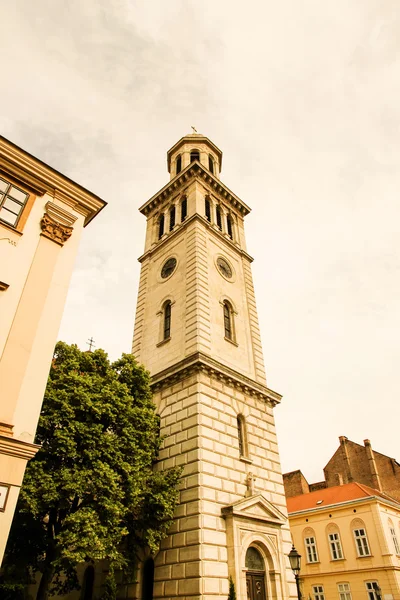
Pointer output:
x,y
344,591
311,549
395,540
335,546
361,540
373,590
318,592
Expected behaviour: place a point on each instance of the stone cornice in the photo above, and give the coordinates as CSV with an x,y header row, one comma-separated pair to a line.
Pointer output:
x,y
201,362
181,226
41,178
194,170
17,448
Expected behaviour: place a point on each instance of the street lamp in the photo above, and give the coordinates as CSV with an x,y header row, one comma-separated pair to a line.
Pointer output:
x,y
295,562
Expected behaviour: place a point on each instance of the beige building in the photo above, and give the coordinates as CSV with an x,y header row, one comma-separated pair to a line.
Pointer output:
x,y
349,539
42,214
197,332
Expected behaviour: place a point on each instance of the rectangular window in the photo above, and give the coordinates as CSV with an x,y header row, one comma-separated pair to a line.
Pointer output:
x,y
12,202
208,210
311,549
373,590
183,209
335,546
360,537
229,226
161,227
172,218
318,592
344,591
395,541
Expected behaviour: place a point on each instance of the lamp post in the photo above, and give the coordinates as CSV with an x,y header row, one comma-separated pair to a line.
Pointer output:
x,y
295,562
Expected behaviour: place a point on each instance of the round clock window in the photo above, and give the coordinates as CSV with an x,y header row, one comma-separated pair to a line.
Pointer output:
x,y
224,267
168,268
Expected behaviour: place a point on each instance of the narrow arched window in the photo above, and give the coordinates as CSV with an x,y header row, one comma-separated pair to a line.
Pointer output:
x,y
161,226
240,430
167,320
229,226
178,164
219,217
148,579
211,164
88,584
207,205
194,155
172,218
228,318
183,209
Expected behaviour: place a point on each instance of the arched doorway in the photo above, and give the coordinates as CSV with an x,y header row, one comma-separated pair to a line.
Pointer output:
x,y
88,584
255,576
148,579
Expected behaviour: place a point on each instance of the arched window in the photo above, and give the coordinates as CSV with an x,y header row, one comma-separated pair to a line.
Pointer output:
x,y
228,321
194,155
207,206
394,537
219,217
211,164
148,579
167,320
88,584
172,218
183,209
335,544
242,435
229,226
310,544
178,164
360,537
161,226
254,561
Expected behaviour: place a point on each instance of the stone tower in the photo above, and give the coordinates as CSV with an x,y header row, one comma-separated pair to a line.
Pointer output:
x,y
197,332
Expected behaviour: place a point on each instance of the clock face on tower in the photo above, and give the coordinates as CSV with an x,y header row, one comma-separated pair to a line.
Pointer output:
x,y
168,268
224,268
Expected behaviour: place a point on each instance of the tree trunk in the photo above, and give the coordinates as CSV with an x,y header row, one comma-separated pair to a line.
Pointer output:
x,y
45,581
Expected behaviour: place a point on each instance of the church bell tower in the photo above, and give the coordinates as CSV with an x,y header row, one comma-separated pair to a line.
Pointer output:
x,y
197,332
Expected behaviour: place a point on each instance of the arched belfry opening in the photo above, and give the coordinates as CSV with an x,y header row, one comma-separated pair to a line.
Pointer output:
x,y
148,579
194,155
255,575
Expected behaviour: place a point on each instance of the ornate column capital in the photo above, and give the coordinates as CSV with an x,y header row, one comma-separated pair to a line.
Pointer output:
x,y
57,223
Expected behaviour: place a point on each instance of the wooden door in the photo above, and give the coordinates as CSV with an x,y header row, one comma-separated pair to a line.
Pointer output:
x,y
255,586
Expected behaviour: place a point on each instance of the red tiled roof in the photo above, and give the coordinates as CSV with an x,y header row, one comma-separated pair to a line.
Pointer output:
x,y
333,495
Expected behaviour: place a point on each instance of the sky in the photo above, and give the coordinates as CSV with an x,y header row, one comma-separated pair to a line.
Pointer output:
x,y
303,100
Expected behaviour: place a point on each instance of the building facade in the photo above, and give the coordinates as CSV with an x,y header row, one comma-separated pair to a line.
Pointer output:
x,y
197,332
349,539
351,462
42,214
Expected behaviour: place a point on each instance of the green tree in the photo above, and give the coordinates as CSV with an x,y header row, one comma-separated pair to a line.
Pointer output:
x,y
232,591
91,492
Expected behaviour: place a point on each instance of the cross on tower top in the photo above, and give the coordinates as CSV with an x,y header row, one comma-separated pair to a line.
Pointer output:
x,y
90,343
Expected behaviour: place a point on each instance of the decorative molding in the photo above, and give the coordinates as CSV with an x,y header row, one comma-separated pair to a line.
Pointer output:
x,y
57,223
199,362
6,429
195,171
4,286
17,448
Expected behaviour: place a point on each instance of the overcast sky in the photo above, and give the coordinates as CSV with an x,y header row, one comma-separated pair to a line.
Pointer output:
x,y
302,97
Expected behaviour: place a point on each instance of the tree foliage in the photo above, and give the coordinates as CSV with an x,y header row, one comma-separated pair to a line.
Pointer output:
x,y
91,492
232,591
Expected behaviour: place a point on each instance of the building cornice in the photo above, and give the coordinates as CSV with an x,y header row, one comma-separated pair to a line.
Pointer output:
x,y
41,178
194,170
181,226
202,362
17,448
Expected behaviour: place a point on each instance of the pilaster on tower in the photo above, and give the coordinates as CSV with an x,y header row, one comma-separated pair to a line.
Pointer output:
x,y
197,332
